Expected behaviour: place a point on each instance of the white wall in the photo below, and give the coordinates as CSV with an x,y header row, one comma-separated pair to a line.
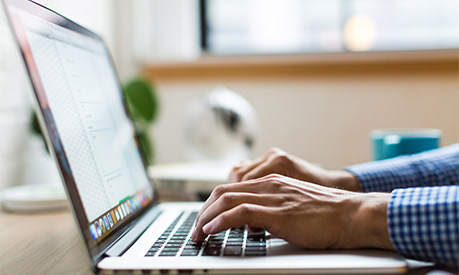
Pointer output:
x,y
154,31
324,119
95,15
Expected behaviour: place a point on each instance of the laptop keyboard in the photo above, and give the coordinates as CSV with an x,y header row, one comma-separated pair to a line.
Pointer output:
x,y
233,242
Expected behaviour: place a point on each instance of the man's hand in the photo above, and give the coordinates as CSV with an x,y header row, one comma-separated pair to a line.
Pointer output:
x,y
276,161
305,214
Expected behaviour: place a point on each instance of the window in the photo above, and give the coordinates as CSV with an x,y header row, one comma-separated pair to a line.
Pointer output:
x,y
298,26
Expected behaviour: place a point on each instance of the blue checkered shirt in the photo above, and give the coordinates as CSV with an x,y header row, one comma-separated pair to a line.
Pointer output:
x,y
423,212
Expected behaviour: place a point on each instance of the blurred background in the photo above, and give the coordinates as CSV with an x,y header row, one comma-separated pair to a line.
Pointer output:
x,y
320,75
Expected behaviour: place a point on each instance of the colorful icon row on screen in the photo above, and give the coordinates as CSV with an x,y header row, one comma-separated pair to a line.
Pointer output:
x,y
106,222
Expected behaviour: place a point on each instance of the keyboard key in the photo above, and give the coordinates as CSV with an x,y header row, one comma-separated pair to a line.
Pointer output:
x,y
216,239
255,248
174,245
180,234
214,245
232,251
255,253
175,241
212,252
177,238
234,243
166,253
150,254
259,244
256,239
171,249
215,242
192,248
189,253
256,234
235,238
195,243
188,246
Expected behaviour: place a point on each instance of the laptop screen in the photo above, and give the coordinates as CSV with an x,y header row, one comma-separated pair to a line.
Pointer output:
x,y
81,103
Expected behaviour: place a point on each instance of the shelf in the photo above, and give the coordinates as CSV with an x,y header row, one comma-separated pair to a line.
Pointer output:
x,y
208,66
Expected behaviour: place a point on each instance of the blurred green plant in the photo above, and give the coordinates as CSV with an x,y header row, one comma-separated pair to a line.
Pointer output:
x,y
143,106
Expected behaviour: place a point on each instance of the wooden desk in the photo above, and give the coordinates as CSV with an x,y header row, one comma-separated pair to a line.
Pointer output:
x,y
49,244
41,244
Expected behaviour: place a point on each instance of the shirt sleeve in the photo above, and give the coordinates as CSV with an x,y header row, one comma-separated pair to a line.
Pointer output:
x,y
431,168
424,223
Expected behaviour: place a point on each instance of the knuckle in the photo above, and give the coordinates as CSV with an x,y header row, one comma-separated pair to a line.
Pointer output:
x,y
236,171
283,199
237,168
282,160
274,150
274,177
223,218
219,190
276,181
245,209
227,198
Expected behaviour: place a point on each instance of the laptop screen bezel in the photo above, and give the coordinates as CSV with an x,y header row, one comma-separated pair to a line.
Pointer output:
x,y
47,123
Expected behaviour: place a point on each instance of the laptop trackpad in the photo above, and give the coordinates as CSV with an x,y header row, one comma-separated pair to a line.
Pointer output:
x,y
279,247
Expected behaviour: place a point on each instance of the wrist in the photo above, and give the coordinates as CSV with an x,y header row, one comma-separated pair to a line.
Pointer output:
x,y
345,180
368,224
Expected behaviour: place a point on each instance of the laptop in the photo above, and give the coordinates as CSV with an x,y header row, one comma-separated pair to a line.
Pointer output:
x,y
123,227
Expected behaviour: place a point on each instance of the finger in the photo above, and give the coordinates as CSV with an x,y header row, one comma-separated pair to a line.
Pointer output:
x,y
248,187
238,171
252,186
261,170
251,214
241,164
254,229
228,201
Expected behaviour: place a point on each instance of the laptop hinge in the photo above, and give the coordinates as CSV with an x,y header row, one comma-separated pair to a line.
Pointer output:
x,y
128,239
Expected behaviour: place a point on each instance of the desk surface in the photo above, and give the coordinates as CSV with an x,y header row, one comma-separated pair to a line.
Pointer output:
x,y
41,244
49,244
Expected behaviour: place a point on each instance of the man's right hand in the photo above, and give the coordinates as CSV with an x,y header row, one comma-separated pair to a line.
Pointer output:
x,y
304,214
276,161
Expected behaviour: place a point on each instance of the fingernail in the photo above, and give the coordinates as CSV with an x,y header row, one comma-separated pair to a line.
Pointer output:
x,y
207,228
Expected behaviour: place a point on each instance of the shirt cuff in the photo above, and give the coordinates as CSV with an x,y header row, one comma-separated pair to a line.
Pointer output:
x,y
384,175
423,223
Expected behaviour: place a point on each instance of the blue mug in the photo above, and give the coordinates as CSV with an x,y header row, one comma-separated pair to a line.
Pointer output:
x,y
389,143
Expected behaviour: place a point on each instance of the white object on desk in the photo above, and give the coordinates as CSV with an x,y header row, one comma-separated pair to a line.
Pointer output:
x,y
30,179
186,179
33,198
